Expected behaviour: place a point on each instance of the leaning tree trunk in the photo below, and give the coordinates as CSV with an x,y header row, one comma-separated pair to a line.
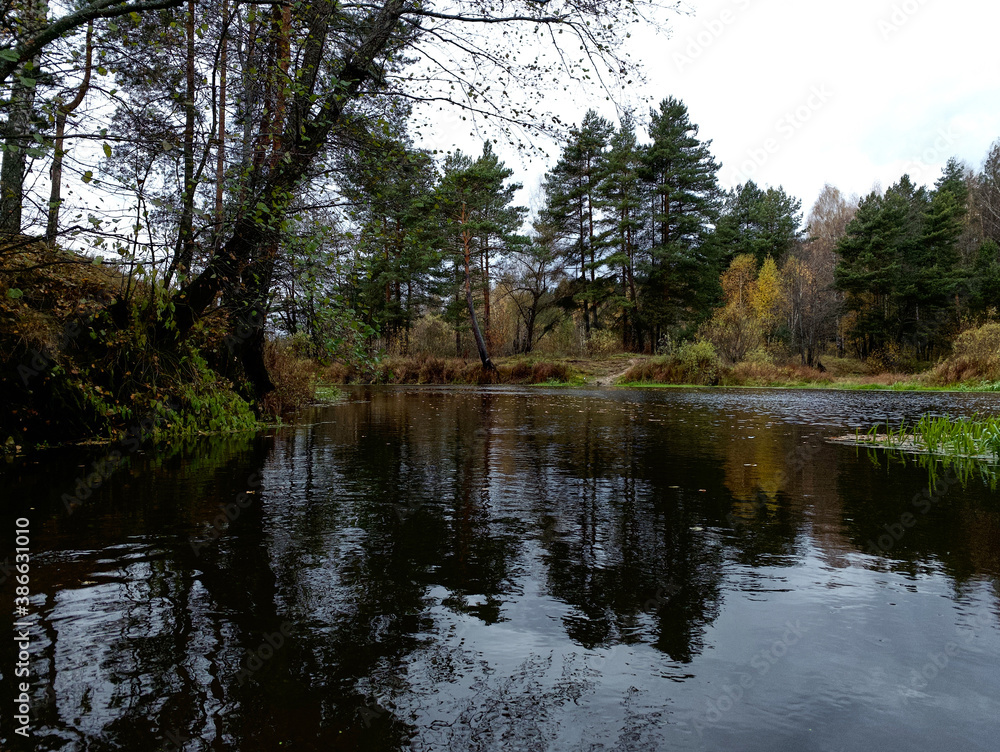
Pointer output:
x,y
243,265
62,113
480,342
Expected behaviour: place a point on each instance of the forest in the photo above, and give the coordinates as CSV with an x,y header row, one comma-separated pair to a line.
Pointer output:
x,y
206,206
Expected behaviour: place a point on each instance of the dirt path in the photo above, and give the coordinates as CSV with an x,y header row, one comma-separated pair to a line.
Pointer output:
x,y
611,378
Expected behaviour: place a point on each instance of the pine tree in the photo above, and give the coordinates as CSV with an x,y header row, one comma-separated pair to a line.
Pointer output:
x,y
759,222
622,199
681,270
571,189
392,184
899,264
475,200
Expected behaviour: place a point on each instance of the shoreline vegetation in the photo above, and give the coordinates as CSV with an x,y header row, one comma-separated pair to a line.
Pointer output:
x,y
78,363
691,366
207,280
966,447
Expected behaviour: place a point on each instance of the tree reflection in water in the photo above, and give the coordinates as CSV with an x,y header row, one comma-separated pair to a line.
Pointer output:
x,y
437,569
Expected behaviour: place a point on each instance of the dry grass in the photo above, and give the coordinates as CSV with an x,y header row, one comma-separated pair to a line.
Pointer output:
x,y
668,370
428,369
294,378
42,289
762,374
975,357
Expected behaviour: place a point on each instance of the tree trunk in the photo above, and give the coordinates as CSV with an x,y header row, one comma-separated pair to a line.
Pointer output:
x,y
17,140
529,325
480,343
184,253
486,289
243,266
62,113
220,165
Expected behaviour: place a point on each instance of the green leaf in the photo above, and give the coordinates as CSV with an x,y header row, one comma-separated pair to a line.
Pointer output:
x,y
14,293
87,176
101,70
107,151
10,55
28,82
98,260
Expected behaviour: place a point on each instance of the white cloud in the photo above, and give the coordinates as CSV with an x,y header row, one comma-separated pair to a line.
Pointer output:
x,y
900,73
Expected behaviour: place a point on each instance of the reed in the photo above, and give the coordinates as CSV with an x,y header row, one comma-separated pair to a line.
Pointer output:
x,y
968,437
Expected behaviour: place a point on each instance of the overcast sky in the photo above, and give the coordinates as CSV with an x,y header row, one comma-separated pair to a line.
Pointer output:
x,y
800,93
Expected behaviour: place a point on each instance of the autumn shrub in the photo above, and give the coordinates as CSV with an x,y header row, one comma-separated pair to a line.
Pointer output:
x,y
432,334
755,373
566,338
293,377
542,372
890,358
603,343
691,363
763,372
520,371
975,356
339,373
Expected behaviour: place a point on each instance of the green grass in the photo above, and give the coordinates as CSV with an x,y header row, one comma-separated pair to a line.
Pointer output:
x,y
957,437
902,386
970,437
968,447
327,393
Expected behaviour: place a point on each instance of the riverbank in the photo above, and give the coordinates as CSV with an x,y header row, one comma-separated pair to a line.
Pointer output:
x,y
645,371
80,359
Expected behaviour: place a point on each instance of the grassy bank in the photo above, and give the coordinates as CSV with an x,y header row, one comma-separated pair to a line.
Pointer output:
x,y
428,369
690,365
78,360
974,365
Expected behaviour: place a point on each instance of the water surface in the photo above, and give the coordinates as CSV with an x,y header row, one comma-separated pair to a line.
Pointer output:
x,y
513,569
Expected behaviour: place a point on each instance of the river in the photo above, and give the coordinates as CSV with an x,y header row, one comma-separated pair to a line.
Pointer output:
x,y
434,568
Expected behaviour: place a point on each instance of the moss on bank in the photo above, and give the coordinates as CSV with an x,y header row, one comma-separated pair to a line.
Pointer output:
x,y
78,360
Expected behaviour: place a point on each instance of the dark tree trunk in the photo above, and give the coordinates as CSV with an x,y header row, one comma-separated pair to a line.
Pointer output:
x,y
480,343
17,140
62,113
241,270
184,254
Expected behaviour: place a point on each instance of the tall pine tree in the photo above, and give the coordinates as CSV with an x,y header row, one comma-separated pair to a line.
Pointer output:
x,y
681,270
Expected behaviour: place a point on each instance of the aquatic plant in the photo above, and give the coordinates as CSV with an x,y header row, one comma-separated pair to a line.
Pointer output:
x,y
965,446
